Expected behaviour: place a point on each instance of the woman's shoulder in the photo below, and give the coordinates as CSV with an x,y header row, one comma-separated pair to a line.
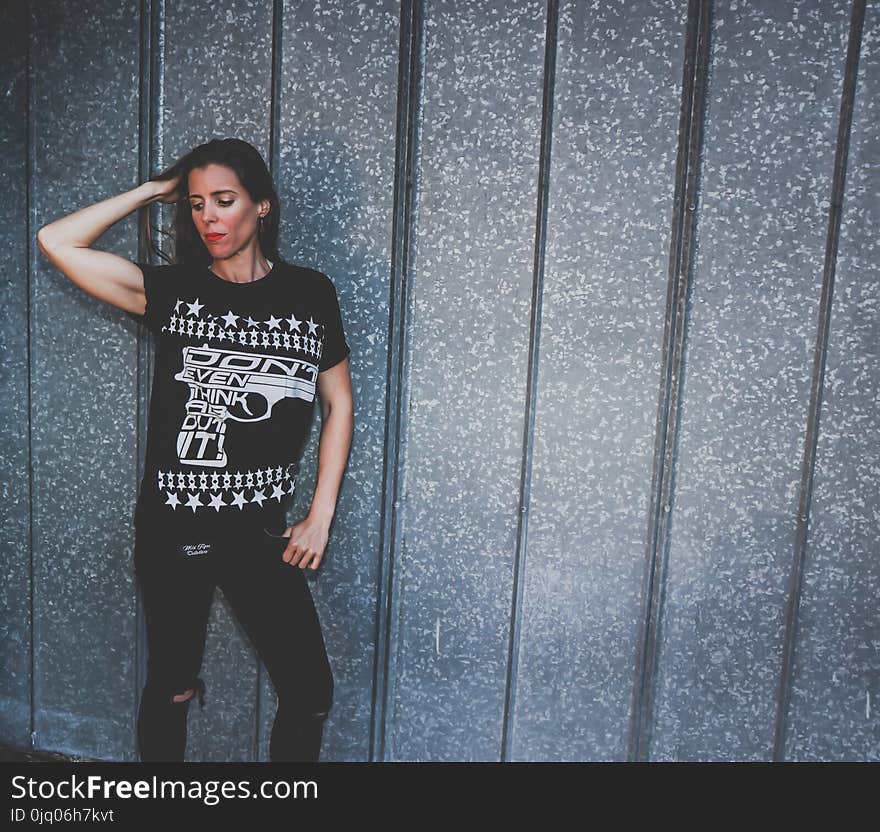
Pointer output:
x,y
160,269
311,277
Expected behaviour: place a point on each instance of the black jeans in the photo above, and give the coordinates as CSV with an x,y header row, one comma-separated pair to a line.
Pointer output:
x,y
271,600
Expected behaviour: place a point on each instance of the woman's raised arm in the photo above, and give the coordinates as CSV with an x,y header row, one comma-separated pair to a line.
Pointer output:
x,y
66,244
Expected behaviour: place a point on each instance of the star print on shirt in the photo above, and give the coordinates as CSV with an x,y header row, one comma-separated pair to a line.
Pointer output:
x,y
217,501
172,500
293,323
194,502
230,319
313,327
273,322
195,308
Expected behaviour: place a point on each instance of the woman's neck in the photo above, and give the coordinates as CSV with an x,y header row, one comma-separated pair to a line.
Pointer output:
x,y
240,270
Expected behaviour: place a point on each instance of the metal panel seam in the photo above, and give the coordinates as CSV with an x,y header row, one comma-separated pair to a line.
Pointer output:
x,y
820,357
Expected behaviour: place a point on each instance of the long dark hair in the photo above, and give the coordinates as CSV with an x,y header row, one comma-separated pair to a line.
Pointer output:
x,y
248,164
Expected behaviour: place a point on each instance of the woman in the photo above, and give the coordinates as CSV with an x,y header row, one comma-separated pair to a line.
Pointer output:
x,y
242,344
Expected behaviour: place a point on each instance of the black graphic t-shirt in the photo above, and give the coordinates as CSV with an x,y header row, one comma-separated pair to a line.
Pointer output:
x,y
234,386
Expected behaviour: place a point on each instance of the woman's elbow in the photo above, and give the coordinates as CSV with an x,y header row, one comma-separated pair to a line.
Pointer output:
x,y
44,240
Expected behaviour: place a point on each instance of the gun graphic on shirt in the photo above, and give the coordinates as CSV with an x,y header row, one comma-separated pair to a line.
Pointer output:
x,y
240,386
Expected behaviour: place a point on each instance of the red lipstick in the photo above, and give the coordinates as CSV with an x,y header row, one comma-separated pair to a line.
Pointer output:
x,y
213,237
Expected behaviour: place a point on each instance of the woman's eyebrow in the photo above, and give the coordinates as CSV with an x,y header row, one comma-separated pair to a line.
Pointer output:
x,y
214,193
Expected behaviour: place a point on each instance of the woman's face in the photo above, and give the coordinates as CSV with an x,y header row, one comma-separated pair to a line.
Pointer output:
x,y
222,211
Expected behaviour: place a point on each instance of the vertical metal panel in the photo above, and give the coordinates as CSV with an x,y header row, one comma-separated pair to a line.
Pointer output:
x,y
216,83
337,110
531,391
681,246
836,675
410,78
82,388
150,70
774,95
472,276
618,80
15,583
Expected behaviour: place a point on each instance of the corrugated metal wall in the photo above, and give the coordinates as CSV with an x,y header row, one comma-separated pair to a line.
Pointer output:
x,y
613,491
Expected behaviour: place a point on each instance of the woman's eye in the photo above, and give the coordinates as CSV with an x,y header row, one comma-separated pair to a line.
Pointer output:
x,y
224,203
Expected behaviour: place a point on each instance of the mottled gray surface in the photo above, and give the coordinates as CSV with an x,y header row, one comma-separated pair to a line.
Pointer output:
x,y
15,583
771,126
338,102
82,388
836,677
69,474
618,87
471,289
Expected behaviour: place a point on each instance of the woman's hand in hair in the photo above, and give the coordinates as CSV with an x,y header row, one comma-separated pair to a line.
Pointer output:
x,y
167,189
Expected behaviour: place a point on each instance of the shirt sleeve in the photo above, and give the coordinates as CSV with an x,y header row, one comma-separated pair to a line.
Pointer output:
x,y
335,347
155,280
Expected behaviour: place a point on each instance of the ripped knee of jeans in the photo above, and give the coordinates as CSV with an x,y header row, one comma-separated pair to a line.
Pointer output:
x,y
179,694
200,687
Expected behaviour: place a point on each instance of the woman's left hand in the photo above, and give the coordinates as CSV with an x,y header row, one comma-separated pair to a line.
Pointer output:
x,y
308,540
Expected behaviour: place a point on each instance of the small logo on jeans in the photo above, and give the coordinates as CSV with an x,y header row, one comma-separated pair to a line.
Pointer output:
x,y
192,550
